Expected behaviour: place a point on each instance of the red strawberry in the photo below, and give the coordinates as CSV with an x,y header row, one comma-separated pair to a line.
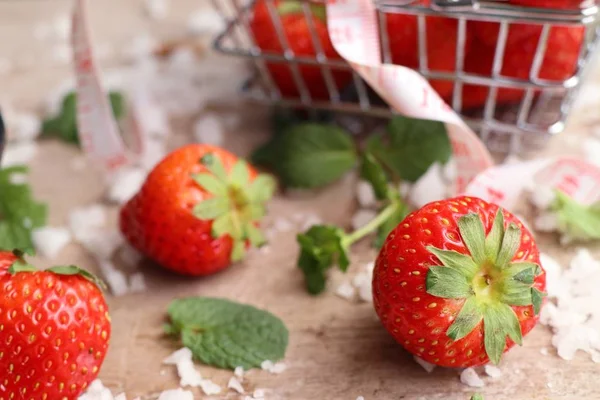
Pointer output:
x,y
197,210
297,30
6,260
458,282
487,33
54,331
442,35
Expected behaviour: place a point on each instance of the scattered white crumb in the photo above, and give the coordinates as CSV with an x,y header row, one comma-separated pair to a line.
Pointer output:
x,y
205,21
176,394
153,120
180,355
208,129
360,398
235,384
83,219
102,243
239,372
493,371
544,351
573,313
49,240
137,283
19,153
265,249
429,187
470,378
125,184
365,194
115,279
362,217
345,291
156,9
426,366
209,387
282,225
258,393
269,366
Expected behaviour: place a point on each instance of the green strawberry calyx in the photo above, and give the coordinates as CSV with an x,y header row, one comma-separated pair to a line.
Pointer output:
x,y
237,204
294,7
21,266
488,281
577,221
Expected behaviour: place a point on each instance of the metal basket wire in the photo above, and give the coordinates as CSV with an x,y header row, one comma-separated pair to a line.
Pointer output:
x,y
541,112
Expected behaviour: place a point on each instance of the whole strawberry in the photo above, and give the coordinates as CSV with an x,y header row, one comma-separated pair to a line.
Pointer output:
x,y
297,29
459,282
54,330
197,211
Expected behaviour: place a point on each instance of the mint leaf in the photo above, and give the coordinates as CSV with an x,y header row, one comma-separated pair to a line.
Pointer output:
x,y
372,172
225,334
320,248
477,396
19,212
411,146
64,125
384,230
309,155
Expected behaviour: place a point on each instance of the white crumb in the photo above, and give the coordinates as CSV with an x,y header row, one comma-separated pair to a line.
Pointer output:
x,y
365,194
156,9
544,351
239,372
102,243
470,378
360,398
426,366
258,393
208,129
345,291
125,184
235,385
19,153
266,365
49,240
176,357
137,283
205,21
429,187
188,375
362,217
493,371
278,368
82,219
282,225
176,394
209,387
115,279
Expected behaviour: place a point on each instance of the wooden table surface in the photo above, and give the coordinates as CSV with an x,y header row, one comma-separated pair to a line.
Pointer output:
x,y
338,350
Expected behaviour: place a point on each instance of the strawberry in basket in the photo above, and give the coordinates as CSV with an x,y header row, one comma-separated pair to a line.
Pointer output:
x,y
197,211
459,282
297,29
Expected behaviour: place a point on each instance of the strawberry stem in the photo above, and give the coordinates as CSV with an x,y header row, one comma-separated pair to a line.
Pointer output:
x,y
371,226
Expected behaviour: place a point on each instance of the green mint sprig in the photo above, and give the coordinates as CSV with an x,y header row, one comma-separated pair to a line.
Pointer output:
x,y
20,212
226,334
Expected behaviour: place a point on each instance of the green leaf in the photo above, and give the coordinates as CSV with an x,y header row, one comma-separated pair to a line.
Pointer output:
x,y
388,226
21,266
372,172
536,299
459,262
211,184
578,221
477,396
74,270
261,189
468,318
20,213
447,283
473,234
211,208
411,146
240,175
510,244
64,125
225,334
320,248
499,321
523,272
493,241
310,155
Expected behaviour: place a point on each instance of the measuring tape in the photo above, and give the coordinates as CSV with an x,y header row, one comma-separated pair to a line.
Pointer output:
x,y
354,32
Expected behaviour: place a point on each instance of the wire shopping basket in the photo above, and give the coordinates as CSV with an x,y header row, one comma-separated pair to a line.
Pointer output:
x,y
511,109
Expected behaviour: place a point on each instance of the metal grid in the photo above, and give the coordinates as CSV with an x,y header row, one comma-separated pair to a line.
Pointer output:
x,y
504,129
